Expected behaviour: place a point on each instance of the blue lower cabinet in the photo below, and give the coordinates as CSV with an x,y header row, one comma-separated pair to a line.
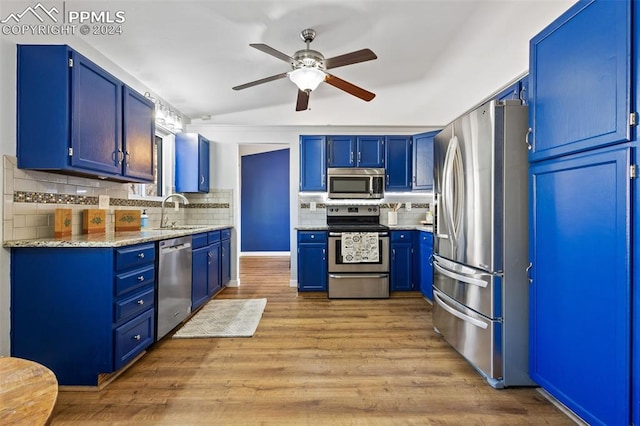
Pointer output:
x,y
312,261
580,295
225,257
78,312
199,276
209,255
424,267
401,261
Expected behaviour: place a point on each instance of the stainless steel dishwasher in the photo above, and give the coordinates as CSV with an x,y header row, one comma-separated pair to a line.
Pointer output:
x,y
174,284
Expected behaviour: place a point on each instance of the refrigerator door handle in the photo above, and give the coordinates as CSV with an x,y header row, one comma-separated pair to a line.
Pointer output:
x,y
459,314
464,278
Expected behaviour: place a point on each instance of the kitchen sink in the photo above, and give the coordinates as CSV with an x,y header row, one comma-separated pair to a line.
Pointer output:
x,y
178,228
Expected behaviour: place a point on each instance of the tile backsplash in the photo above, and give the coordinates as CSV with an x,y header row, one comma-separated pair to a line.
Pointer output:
x,y
31,197
420,204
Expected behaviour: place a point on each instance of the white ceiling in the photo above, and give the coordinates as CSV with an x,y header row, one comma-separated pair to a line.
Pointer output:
x,y
436,58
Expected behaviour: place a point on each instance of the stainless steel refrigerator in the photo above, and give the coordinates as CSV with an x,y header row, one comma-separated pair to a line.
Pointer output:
x,y
480,289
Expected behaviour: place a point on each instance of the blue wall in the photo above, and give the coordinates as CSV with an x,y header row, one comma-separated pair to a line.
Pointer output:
x,y
264,196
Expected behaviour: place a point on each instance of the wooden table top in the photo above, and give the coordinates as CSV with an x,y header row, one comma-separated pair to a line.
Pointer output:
x,y
28,392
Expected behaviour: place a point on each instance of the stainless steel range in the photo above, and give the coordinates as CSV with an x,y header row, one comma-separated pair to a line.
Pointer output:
x,y
358,252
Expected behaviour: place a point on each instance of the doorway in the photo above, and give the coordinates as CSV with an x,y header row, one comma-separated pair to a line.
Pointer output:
x,y
264,200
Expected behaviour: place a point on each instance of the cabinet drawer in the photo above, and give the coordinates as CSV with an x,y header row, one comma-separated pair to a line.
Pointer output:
x,y
401,236
312,237
133,305
132,256
213,237
133,337
199,240
134,279
225,234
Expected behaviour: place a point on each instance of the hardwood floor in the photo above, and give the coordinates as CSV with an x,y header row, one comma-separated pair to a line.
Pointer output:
x,y
311,361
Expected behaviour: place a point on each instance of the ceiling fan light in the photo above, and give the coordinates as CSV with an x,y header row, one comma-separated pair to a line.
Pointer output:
x,y
307,78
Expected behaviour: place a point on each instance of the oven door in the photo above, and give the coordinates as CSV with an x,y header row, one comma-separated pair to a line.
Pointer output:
x,y
337,263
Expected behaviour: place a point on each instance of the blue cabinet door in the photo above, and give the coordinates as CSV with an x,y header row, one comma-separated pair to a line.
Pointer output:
x,y
313,163
580,80
580,297
138,135
192,163
96,120
214,269
312,261
370,151
312,267
401,261
225,262
203,164
398,163
199,277
425,268
341,151
423,161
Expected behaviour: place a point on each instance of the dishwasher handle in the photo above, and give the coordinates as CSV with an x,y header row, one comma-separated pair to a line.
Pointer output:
x,y
178,247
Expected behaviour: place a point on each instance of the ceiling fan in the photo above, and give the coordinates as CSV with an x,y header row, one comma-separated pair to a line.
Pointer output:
x,y
309,69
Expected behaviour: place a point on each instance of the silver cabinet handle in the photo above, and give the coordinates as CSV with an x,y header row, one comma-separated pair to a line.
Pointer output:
x,y
141,278
459,314
324,253
137,337
140,302
359,156
141,255
529,272
351,158
526,138
202,179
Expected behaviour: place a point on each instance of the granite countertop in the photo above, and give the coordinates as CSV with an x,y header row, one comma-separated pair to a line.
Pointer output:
x,y
114,239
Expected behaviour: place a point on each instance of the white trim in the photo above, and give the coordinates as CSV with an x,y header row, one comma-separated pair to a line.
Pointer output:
x,y
293,283
233,283
265,253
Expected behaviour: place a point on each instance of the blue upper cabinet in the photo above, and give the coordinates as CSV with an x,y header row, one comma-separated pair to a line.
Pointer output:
x,y
398,163
313,163
579,80
341,151
510,93
70,118
355,151
138,135
96,132
192,163
370,151
423,160
517,91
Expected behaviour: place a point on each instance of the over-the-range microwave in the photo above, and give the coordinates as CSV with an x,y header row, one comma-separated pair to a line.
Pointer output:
x,y
355,182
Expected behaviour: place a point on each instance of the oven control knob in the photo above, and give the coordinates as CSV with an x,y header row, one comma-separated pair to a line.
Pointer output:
x,y
370,209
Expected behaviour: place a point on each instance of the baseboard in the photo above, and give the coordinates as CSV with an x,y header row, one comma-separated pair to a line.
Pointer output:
x,y
293,283
233,283
265,253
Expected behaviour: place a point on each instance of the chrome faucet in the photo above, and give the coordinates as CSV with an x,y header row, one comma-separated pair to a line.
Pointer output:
x,y
163,219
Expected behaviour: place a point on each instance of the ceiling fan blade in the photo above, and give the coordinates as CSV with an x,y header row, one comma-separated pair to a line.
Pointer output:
x,y
273,52
350,58
262,80
349,88
303,100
